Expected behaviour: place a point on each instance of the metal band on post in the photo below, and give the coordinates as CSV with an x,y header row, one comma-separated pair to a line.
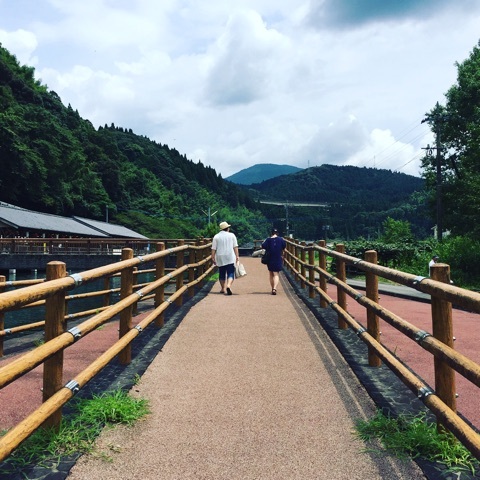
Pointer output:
x,y
76,333
77,278
421,335
73,386
361,330
425,392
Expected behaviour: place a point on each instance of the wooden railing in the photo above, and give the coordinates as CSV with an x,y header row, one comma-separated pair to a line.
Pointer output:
x,y
192,266
81,246
105,294
308,263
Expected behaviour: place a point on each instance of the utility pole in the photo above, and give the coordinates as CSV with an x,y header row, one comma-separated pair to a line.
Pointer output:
x,y
439,184
287,226
436,119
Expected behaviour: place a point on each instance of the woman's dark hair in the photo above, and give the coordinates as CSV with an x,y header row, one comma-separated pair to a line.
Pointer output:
x,y
274,231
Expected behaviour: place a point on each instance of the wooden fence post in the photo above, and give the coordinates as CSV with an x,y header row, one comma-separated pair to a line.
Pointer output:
x,y
288,257
341,295
160,291
203,253
373,324
3,279
106,286
135,281
322,263
180,263
443,330
296,262
191,271
55,325
126,289
302,265
311,273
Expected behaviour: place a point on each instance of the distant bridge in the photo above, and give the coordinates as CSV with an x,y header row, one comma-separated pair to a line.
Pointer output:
x,y
287,203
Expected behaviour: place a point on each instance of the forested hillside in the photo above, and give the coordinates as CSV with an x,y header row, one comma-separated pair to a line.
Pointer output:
x,y
54,161
359,200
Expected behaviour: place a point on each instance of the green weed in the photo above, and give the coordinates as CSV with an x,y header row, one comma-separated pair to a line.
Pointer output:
x,y
416,437
77,433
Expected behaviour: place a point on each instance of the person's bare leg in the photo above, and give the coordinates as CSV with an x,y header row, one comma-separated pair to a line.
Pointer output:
x,y
276,278
271,278
222,286
229,285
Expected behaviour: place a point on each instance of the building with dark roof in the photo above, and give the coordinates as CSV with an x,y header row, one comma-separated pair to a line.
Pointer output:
x,y
20,222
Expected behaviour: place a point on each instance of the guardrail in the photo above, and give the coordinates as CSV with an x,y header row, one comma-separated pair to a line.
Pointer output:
x,y
82,246
192,266
309,262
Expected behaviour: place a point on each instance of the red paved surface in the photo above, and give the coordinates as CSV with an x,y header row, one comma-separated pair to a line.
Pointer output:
x,y
465,329
23,396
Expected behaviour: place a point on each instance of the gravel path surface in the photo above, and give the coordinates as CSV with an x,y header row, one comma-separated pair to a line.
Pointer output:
x,y
248,387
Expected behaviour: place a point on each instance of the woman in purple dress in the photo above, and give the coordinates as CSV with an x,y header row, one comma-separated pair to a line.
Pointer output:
x,y
275,246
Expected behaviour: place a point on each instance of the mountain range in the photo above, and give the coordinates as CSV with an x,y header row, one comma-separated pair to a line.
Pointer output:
x,y
260,172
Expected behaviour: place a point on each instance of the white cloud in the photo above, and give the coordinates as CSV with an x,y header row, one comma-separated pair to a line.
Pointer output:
x,y
244,58
21,43
260,81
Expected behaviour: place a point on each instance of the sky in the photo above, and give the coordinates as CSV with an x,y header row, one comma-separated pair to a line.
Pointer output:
x,y
234,83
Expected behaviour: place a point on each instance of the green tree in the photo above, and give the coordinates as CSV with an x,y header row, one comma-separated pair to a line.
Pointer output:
x,y
396,231
457,127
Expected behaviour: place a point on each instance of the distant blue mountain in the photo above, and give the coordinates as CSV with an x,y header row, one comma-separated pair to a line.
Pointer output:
x,y
260,172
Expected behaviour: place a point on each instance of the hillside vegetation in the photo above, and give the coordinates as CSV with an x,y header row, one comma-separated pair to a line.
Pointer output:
x,y
358,201
56,162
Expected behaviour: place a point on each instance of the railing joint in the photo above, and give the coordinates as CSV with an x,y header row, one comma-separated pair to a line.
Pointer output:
x,y
421,335
425,392
418,279
73,386
77,278
76,333
139,328
361,330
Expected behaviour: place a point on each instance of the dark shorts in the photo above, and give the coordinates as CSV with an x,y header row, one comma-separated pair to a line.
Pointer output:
x,y
226,271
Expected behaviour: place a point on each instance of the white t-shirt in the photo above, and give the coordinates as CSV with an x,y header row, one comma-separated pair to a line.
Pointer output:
x,y
224,243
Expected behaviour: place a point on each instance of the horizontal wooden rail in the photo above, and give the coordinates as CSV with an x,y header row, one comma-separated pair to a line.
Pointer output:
x,y
52,348
29,425
304,272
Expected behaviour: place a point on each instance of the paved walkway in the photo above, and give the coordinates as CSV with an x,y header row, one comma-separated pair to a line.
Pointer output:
x,y
248,387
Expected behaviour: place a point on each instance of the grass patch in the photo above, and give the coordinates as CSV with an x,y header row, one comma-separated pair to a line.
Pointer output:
x,y
77,432
416,437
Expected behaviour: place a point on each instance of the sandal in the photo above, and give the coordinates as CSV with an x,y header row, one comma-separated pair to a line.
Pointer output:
x,y
274,291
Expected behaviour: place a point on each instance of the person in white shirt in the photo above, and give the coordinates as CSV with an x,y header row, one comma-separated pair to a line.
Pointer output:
x,y
225,256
